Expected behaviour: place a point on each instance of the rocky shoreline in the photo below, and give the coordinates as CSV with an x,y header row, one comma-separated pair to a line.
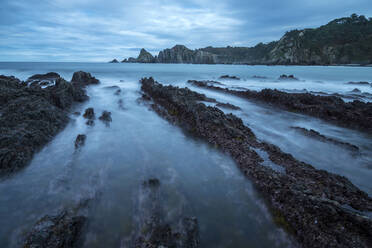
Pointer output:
x,y
319,208
356,114
33,112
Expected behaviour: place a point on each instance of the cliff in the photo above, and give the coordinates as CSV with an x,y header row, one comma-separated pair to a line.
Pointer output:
x,y
346,40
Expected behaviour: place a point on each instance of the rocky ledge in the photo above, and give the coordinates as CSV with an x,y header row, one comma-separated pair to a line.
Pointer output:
x,y
356,114
319,208
60,231
31,115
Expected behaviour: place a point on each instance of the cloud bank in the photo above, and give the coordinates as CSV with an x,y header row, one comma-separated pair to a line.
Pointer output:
x,y
96,30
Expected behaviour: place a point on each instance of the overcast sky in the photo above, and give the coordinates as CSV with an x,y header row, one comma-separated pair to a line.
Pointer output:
x,y
100,30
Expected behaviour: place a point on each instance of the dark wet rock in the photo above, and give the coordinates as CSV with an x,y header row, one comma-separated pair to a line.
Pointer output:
x,y
117,92
229,77
89,114
358,83
207,82
152,182
114,61
80,141
154,230
356,114
61,231
288,77
356,90
90,123
121,104
31,117
106,116
113,87
43,80
77,113
305,201
228,106
84,78
316,135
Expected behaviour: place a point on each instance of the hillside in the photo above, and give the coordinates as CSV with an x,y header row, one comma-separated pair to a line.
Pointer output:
x,y
346,40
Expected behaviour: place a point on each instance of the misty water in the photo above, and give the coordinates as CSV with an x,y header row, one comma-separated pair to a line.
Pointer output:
x,y
105,177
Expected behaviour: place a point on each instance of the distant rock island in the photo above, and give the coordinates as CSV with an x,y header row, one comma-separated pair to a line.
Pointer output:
x,y
346,40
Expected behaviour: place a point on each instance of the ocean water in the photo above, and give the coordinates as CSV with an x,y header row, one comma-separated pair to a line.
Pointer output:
x,y
195,178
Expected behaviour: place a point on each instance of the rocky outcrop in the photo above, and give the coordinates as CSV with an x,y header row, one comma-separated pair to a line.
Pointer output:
x,y
60,231
145,57
356,114
114,61
320,209
342,41
228,106
288,77
229,77
30,116
83,78
106,116
154,231
316,135
80,141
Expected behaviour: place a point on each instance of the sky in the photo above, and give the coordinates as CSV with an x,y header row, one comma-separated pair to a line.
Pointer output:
x,y
100,30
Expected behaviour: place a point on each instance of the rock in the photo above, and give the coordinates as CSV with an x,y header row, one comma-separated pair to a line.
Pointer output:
x,y
259,77
114,61
145,57
356,114
121,104
80,141
358,83
90,123
117,92
181,54
229,77
155,231
43,80
356,90
106,116
316,135
30,117
228,106
84,78
77,113
297,198
289,77
60,231
89,114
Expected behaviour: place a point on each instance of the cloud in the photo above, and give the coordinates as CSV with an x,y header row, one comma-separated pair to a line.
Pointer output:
x,y
95,30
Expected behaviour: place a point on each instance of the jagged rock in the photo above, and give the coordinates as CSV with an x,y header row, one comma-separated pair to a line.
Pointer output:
x,y
229,77
358,83
145,57
60,231
289,77
106,116
181,54
228,106
314,134
31,117
43,80
89,114
84,78
114,61
80,141
356,90
356,114
305,201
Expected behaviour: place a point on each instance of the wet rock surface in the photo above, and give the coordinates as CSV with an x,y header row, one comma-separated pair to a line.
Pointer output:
x,y
60,231
154,230
89,114
32,116
84,78
356,114
358,83
80,141
43,80
229,77
288,77
106,116
228,106
306,202
316,135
